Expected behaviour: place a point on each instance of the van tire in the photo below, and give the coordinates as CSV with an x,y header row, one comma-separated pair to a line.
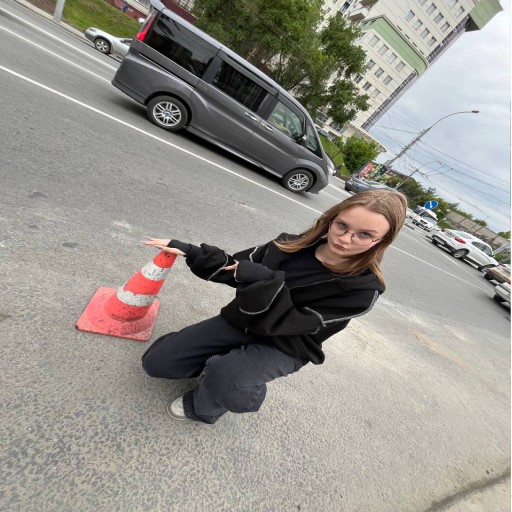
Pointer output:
x,y
298,180
168,113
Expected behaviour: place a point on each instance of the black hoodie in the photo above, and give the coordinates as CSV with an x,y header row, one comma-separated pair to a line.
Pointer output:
x,y
295,319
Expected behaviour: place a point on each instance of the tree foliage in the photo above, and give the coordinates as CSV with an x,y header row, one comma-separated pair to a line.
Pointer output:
x,y
285,37
357,151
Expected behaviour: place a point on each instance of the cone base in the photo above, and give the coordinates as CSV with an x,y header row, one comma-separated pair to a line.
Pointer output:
x,y
94,319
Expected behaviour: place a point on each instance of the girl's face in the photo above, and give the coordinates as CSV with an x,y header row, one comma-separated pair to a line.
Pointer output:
x,y
354,231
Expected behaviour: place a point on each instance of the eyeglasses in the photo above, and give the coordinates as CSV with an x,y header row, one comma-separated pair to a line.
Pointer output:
x,y
340,229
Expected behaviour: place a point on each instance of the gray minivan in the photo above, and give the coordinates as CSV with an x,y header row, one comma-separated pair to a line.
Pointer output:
x,y
188,80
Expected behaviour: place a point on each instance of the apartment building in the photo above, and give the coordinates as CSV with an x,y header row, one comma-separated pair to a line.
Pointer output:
x,y
402,39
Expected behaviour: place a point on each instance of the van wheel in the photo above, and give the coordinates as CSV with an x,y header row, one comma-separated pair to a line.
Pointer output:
x,y
167,113
102,45
459,253
298,180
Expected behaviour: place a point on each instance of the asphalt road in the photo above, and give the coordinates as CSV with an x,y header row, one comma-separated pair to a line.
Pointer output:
x,y
410,412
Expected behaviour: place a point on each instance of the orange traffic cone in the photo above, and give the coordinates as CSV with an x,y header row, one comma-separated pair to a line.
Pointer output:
x,y
130,311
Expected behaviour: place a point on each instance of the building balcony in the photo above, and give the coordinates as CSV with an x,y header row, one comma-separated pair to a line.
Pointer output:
x,y
358,14
368,3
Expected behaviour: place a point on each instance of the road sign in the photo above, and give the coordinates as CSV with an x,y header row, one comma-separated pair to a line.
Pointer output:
x,y
431,205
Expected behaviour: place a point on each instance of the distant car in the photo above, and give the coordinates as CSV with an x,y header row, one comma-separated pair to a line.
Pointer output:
x,y
500,274
425,223
355,184
502,293
465,246
107,43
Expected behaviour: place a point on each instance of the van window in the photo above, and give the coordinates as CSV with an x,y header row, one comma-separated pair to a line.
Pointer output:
x,y
312,139
285,120
180,45
239,87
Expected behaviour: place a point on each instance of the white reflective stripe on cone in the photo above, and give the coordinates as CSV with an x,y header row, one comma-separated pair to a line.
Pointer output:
x,y
154,272
132,299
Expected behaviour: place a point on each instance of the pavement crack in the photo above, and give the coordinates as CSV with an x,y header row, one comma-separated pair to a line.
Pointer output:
x,y
472,488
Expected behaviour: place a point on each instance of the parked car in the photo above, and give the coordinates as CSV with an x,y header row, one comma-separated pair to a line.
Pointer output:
x,y
425,223
502,293
188,80
356,184
465,246
107,43
500,274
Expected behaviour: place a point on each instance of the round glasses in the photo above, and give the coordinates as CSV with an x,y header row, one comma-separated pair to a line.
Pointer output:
x,y
340,229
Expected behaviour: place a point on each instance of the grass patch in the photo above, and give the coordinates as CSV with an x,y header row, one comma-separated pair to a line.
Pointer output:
x,y
334,151
82,14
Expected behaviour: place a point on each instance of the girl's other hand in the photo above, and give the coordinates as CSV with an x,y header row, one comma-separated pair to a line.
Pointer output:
x,y
161,243
232,267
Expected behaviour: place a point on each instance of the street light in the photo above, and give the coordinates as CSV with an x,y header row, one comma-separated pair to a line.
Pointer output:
x,y
424,132
415,171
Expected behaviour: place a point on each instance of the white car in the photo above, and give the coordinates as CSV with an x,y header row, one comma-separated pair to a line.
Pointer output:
x,y
465,246
502,293
107,43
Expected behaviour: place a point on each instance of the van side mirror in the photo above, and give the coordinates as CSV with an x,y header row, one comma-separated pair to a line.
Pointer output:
x,y
301,139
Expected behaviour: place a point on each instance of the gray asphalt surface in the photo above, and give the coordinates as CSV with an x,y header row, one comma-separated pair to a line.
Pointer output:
x,y
410,412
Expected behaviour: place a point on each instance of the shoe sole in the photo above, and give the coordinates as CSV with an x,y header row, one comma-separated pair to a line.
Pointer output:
x,y
174,416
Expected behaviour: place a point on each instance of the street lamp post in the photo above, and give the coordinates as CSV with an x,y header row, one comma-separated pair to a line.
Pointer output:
x,y
424,132
415,171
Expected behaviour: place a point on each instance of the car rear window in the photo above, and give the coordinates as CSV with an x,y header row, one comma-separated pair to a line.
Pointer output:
x,y
180,45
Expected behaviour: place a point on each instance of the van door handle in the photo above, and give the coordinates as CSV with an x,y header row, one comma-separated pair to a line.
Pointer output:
x,y
267,127
251,116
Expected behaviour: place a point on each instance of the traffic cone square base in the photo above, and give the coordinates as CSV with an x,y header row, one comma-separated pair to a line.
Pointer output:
x,y
96,320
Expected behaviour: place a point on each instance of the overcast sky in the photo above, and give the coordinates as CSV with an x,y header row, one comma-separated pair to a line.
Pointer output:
x,y
474,171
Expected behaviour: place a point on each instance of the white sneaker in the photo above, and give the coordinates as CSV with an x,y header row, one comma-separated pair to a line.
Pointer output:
x,y
176,410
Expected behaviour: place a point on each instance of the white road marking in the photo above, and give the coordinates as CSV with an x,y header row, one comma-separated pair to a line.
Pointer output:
x,y
53,53
139,130
22,20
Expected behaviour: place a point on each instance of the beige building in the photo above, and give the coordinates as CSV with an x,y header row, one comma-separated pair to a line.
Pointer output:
x,y
402,39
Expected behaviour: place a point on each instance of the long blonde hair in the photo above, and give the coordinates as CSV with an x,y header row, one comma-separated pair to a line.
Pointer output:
x,y
392,205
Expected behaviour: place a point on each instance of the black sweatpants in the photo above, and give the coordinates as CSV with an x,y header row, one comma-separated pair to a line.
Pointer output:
x,y
232,371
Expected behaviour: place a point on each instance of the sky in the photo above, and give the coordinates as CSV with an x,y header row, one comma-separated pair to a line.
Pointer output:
x,y
465,157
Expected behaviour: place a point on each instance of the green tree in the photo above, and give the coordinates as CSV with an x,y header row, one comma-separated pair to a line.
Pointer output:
x,y
283,36
357,151
504,234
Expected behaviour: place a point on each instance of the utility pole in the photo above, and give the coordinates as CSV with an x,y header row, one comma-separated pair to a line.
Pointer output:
x,y
59,9
424,132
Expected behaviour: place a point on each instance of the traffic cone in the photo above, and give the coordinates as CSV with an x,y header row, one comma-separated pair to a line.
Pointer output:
x,y
131,310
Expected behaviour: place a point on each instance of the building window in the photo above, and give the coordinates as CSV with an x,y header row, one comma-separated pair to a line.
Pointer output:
x,y
383,49
370,65
328,10
321,116
366,86
373,41
357,78
391,58
451,3
459,11
387,80
422,2
375,93
409,16
425,33
438,18
337,126
400,66
445,27
432,41
379,72
431,8
417,24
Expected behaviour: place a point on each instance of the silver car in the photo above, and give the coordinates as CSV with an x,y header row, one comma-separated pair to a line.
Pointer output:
x,y
502,293
107,43
465,246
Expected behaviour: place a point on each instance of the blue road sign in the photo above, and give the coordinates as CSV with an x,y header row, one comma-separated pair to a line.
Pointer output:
x,y
431,205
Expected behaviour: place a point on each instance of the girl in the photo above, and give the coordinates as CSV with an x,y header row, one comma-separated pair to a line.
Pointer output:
x,y
291,295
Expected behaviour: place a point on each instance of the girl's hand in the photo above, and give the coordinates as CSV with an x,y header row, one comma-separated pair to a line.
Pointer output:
x,y
232,267
161,243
